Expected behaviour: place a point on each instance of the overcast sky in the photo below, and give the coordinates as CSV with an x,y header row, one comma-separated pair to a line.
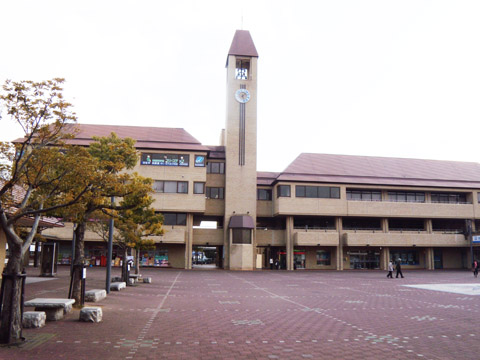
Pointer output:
x,y
377,78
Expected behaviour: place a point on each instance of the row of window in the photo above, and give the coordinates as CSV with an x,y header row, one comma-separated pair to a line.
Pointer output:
x,y
215,168
181,187
406,196
322,192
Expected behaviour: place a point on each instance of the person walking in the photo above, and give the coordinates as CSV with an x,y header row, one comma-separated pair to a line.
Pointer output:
x,y
475,268
399,268
390,270
271,264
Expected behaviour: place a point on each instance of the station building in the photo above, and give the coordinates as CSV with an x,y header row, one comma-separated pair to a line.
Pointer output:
x,y
323,211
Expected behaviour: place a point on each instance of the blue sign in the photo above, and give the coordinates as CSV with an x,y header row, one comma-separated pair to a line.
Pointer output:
x,y
476,239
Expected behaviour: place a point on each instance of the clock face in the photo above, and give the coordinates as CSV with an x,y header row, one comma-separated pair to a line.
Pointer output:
x,y
242,96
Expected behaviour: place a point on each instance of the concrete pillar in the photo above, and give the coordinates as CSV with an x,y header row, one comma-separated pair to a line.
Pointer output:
x,y
189,241
384,258
429,259
289,242
385,225
428,226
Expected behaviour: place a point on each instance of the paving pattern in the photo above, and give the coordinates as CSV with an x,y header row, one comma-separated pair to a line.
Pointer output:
x,y
217,314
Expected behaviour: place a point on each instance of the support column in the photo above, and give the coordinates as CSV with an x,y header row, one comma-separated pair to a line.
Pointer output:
x,y
429,259
338,225
189,241
428,226
289,242
385,227
384,258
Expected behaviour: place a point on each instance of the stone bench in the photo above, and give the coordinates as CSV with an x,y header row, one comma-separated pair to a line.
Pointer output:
x,y
95,295
133,278
91,314
34,319
53,308
117,286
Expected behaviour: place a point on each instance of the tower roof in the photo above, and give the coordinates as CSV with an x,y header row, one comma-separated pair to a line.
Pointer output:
x,y
242,44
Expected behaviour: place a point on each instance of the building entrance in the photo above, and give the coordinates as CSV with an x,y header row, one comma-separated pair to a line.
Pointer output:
x,y
299,259
278,256
437,259
207,257
369,259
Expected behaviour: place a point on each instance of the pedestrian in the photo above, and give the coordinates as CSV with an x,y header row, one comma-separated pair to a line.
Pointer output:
x,y
390,270
277,265
271,263
399,268
475,268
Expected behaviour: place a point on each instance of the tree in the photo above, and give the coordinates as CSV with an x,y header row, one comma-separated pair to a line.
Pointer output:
x,y
111,157
39,174
135,226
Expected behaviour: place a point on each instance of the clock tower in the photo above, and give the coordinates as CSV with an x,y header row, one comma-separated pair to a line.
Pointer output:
x,y
241,154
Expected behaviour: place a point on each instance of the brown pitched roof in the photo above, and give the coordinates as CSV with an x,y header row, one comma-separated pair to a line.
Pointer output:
x,y
16,194
146,137
266,178
242,44
382,171
216,152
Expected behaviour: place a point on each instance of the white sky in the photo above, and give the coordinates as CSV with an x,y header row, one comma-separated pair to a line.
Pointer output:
x,y
379,78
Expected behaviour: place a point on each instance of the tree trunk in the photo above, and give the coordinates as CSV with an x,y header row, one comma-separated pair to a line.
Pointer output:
x,y
78,260
137,261
11,315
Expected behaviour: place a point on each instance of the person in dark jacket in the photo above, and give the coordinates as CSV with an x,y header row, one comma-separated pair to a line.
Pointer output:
x,y
398,267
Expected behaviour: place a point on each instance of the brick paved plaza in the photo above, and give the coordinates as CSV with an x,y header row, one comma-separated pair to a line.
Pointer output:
x,y
218,314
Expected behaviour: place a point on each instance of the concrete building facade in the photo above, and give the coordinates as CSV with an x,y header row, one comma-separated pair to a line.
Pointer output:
x,y
323,211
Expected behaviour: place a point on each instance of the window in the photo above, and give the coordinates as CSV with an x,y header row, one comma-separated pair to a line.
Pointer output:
x,y
174,219
215,168
264,194
215,193
171,187
242,67
312,192
199,188
407,257
158,186
322,192
241,236
182,187
323,257
161,159
449,198
406,196
283,191
364,195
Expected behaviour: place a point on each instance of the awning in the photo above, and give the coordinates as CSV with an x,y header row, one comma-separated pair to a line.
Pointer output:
x,y
241,222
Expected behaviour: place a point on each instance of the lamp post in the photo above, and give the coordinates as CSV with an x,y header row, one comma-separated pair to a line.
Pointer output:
x,y
109,251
